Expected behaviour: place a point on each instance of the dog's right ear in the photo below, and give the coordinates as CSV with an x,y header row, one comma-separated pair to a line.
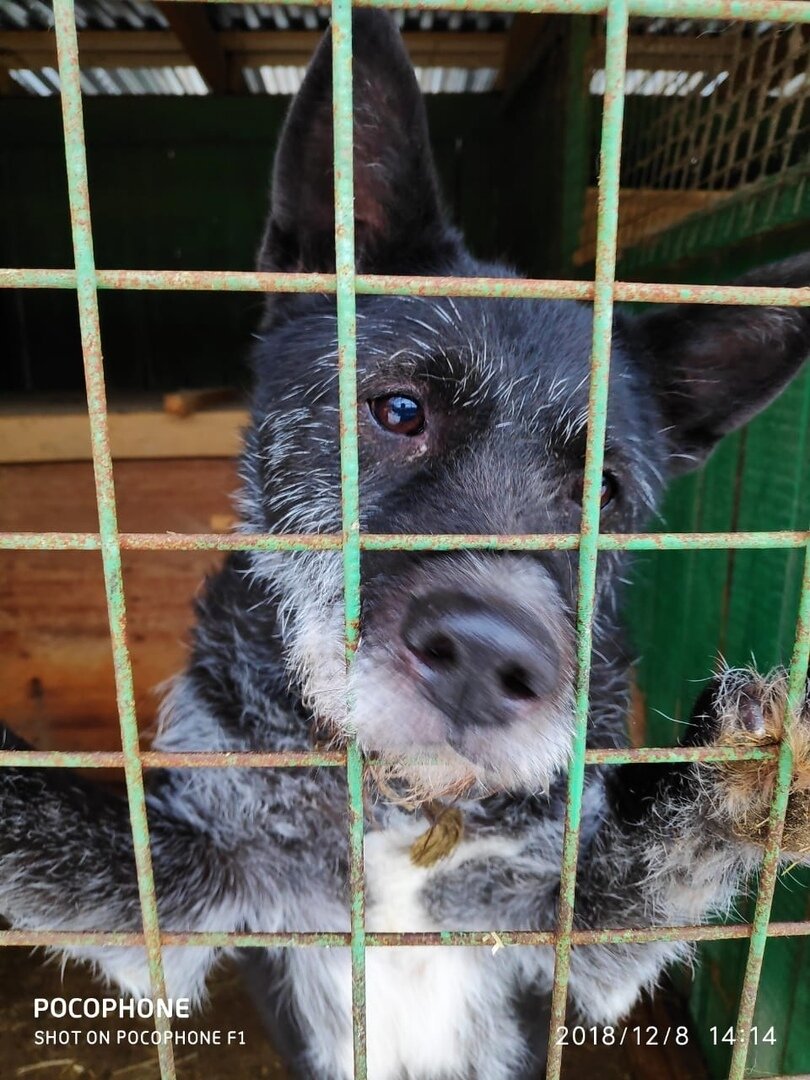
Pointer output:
x,y
714,368
399,225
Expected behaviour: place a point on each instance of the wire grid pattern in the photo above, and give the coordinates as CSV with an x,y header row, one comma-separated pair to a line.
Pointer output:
x,y
730,127
738,126
604,291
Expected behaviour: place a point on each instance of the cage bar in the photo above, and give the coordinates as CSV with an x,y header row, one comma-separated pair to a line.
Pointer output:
x,y
323,759
605,272
785,538
754,10
421,939
409,285
79,201
343,123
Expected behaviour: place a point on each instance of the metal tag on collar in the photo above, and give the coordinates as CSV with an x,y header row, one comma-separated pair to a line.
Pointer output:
x,y
442,836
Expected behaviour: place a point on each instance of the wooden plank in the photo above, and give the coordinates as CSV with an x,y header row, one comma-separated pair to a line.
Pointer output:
x,y
61,434
188,402
465,49
199,39
643,212
576,134
56,674
681,52
97,48
251,48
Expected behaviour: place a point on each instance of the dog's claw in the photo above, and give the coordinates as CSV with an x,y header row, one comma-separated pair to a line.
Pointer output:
x,y
751,716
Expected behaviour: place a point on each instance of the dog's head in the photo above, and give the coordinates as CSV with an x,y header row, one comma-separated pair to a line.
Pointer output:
x,y
473,418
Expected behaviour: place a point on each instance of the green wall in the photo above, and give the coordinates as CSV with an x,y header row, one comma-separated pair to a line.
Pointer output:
x,y
175,183
687,609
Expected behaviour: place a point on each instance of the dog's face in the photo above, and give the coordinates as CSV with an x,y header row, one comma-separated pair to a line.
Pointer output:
x,y
473,417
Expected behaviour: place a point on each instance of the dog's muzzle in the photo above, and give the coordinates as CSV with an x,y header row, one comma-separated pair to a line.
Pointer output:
x,y
482,662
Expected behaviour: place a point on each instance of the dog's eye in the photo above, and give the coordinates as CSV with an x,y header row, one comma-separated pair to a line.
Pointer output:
x,y
607,493
399,414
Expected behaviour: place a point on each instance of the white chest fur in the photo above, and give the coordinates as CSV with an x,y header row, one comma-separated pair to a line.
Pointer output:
x,y
430,1011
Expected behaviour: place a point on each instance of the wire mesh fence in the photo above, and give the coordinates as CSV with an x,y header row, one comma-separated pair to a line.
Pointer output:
x,y
732,125
604,291
721,109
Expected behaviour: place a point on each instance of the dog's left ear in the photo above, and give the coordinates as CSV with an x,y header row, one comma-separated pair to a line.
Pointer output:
x,y
399,225
714,368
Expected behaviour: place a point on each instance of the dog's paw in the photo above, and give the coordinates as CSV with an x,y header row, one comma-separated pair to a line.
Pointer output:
x,y
744,710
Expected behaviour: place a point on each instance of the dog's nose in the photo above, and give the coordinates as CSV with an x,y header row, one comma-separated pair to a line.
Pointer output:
x,y
480,661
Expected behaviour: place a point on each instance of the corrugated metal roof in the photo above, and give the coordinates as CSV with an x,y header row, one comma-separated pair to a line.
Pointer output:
x,y
675,27
262,80
116,81
123,15
142,15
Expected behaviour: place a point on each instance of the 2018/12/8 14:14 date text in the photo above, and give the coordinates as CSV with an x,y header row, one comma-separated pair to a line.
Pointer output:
x,y
651,1035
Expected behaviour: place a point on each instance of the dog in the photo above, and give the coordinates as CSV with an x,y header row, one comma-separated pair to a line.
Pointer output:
x,y
473,416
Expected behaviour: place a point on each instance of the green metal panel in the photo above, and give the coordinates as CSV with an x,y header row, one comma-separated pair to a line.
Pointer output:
x,y
687,608
577,124
161,198
763,222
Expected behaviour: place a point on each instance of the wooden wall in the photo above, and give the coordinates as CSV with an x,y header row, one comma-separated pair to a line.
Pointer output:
x,y
56,674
